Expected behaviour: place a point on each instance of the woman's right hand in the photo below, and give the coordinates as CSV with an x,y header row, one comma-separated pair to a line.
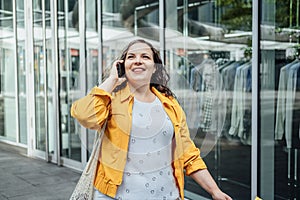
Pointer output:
x,y
113,80
114,73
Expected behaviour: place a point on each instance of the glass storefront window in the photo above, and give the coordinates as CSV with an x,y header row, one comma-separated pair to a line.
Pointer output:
x,y
21,71
50,71
39,88
93,44
71,72
8,96
208,53
279,100
208,48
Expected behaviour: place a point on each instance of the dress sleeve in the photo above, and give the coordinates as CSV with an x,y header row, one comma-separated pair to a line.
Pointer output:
x,y
92,110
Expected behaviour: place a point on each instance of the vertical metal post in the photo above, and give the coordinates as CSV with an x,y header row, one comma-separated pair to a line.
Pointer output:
x,y
135,22
162,30
255,97
29,77
291,13
16,70
54,47
100,40
45,81
297,13
82,61
67,68
185,31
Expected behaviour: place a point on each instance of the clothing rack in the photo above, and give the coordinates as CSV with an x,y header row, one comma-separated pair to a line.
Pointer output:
x,y
293,182
218,171
287,128
218,152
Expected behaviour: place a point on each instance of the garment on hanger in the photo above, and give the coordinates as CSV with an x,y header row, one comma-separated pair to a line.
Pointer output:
x,y
281,101
211,99
292,121
196,79
237,106
228,74
245,110
287,105
207,108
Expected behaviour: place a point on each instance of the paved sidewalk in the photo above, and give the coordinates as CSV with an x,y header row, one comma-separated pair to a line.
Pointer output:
x,y
24,178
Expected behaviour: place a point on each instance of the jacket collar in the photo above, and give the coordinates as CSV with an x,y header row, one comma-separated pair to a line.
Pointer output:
x,y
126,95
162,97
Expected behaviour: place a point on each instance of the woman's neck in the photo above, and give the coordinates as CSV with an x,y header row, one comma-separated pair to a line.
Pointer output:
x,y
143,93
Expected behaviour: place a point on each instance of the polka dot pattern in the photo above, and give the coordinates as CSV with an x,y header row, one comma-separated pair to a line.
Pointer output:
x,y
148,172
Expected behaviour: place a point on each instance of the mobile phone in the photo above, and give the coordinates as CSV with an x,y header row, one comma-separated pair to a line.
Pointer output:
x,y
121,69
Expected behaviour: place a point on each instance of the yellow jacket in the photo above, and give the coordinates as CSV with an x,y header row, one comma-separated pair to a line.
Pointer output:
x,y
92,111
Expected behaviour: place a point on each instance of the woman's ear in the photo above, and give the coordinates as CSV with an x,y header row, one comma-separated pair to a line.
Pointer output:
x,y
155,68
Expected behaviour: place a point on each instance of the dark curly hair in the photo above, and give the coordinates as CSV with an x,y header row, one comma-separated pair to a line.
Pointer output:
x,y
160,77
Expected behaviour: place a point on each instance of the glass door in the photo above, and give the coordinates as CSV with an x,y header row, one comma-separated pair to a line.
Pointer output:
x,y
40,123
71,76
57,73
208,47
40,109
8,87
279,92
44,116
69,88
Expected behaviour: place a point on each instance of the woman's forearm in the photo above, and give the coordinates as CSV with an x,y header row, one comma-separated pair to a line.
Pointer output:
x,y
109,84
205,180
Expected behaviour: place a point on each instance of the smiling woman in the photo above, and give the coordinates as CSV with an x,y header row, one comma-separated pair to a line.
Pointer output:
x,y
159,78
139,67
146,147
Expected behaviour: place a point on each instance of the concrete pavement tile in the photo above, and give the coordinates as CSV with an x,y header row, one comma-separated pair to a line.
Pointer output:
x,y
19,190
3,197
63,173
37,196
40,178
63,190
10,181
24,178
18,165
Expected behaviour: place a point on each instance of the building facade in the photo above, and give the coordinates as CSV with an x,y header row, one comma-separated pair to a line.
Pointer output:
x,y
233,66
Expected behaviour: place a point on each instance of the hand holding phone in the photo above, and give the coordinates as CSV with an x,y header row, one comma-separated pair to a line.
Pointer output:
x,y
120,69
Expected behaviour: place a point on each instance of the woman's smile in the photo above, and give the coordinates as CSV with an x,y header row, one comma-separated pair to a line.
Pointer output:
x,y
139,64
138,70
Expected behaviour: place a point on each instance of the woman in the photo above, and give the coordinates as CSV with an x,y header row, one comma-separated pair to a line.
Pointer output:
x,y
146,147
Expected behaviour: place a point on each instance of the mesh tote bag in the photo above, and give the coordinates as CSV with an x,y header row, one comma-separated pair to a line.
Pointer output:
x,y
84,189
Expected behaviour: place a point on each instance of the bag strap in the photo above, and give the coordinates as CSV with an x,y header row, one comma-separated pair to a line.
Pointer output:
x,y
96,147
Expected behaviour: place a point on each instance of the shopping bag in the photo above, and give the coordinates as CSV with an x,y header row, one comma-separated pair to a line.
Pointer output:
x,y
84,189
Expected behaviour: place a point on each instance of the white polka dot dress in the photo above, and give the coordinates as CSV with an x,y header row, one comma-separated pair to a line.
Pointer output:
x,y
148,173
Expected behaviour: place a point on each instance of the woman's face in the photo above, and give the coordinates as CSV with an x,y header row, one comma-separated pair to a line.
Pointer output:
x,y
139,64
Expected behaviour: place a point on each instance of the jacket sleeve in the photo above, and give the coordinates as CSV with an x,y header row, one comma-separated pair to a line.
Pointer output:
x,y
191,154
92,110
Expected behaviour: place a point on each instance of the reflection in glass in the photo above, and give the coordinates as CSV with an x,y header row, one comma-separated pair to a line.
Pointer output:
x,y
39,82
279,100
69,75
22,93
8,96
207,53
21,72
39,97
51,95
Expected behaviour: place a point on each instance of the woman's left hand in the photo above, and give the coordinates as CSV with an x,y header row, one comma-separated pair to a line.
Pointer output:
x,y
219,195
